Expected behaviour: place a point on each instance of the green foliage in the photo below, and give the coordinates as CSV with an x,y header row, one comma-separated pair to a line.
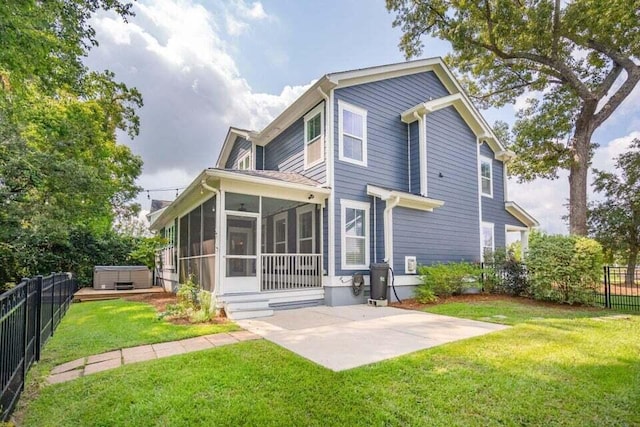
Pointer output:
x,y
504,274
193,303
506,49
615,221
565,269
146,249
442,280
65,179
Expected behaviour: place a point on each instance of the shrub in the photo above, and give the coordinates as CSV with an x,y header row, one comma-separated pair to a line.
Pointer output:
x,y
505,274
441,280
564,269
193,303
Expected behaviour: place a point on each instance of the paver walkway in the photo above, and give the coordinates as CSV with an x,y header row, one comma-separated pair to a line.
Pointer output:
x,y
114,359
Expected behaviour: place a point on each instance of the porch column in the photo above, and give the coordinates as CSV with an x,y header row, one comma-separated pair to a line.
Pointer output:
x,y
524,243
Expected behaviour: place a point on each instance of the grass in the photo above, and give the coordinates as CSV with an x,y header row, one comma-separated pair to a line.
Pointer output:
x,y
96,327
555,366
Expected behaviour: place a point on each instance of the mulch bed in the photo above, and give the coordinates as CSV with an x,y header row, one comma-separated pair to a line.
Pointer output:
x,y
160,302
412,304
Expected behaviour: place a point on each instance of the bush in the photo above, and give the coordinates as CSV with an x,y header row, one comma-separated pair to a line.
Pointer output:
x,y
565,269
441,280
193,304
505,274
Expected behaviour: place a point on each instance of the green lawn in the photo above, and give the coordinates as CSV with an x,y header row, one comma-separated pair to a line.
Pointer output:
x,y
96,327
554,367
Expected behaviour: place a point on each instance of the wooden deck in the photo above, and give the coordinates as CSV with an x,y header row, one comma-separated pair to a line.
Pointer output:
x,y
90,294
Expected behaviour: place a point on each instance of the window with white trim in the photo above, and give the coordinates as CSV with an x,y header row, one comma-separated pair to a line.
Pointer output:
x,y
244,162
280,233
306,225
168,253
352,133
486,176
488,239
314,137
355,235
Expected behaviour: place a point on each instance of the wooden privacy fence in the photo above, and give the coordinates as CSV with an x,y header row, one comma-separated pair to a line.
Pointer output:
x,y
29,315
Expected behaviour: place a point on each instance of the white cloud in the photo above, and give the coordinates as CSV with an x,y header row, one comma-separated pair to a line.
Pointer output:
x,y
238,16
176,54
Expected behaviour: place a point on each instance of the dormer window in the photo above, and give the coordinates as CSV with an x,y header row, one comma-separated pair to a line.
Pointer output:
x,y
314,137
486,176
244,162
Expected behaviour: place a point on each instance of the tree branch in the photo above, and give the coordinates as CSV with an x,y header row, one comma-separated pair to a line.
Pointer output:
x,y
515,87
608,81
633,78
556,29
616,56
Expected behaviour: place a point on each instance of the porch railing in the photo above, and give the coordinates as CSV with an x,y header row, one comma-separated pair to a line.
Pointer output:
x,y
281,272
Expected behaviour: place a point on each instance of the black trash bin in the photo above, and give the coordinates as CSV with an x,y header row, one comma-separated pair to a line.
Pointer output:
x,y
379,274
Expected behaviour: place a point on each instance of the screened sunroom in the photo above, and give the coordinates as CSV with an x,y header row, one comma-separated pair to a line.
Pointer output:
x,y
242,233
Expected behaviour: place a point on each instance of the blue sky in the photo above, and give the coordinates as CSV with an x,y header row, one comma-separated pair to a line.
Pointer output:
x,y
204,66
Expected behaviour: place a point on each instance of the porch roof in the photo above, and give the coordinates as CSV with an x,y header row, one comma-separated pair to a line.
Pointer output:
x,y
276,184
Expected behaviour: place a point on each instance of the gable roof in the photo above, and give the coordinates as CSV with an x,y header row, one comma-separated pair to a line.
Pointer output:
x,y
156,205
320,89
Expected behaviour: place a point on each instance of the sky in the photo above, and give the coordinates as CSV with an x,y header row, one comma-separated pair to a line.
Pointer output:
x,y
203,66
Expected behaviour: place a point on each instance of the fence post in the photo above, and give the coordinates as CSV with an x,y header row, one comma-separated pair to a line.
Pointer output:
x,y
53,301
607,289
38,325
27,282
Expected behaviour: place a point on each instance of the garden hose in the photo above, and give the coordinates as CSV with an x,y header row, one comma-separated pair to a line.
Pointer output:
x,y
393,286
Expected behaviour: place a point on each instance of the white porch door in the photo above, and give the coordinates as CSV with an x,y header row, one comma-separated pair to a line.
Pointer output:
x,y
241,258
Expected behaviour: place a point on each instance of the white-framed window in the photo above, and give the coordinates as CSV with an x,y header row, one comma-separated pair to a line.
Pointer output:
x,y
244,162
352,133
355,234
306,229
488,239
169,248
280,233
486,176
314,137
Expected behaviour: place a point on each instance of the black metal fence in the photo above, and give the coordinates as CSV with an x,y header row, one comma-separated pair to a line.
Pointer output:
x,y
621,288
29,315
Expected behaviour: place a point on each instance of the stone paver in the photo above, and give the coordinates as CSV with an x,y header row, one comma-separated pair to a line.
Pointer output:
x,y
114,359
346,337
64,376
116,354
74,364
102,366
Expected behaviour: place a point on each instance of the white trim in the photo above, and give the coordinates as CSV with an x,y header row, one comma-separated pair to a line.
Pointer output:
x,y
279,217
331,203
301,211
422,150
407,200
493,237
514,209
229,141
479,194
342,106
352,204
319,109
484,159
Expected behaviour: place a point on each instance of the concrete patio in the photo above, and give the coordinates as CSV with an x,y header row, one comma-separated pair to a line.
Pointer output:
x,y
341,338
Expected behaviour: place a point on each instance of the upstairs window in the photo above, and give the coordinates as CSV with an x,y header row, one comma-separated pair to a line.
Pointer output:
x,y
486,176
244,162
352,130
314,137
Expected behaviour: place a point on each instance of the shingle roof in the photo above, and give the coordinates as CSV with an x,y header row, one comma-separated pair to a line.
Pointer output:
x,y
292,177
156,205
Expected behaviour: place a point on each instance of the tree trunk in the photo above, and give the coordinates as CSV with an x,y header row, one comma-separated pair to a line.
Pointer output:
x,y
579,169
629,278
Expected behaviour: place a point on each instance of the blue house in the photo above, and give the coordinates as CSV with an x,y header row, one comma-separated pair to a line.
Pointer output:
x,y
390,163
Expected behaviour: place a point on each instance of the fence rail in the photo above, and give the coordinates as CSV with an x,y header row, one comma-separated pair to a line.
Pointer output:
x,y
282,272
29,315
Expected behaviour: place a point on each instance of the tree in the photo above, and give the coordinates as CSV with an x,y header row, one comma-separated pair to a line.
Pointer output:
x,y
62,172
615,221
576,60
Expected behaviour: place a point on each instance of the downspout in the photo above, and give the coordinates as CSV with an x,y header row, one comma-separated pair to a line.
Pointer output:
x,y
328,151
388,229
422,149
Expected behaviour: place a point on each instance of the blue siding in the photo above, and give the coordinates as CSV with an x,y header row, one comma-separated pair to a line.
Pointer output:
x,y
387,156
414,158
240,147
452,232
285,153
493,208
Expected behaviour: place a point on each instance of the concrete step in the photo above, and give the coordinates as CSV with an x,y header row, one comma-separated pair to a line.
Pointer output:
x,y
249,314
247,305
